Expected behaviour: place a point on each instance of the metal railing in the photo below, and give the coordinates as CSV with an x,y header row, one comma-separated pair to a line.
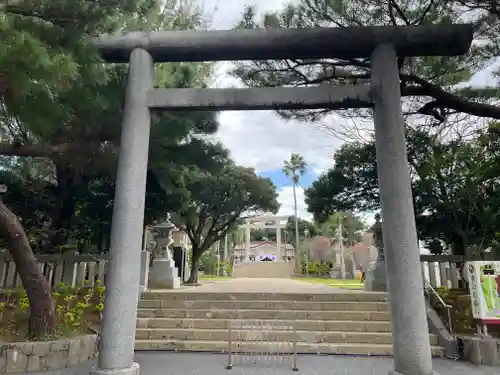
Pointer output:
x,y
250,341
428,287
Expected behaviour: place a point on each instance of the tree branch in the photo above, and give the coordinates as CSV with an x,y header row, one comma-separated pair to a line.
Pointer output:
x,y
446,99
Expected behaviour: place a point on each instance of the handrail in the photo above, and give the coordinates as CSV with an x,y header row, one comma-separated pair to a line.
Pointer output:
x,y
428,286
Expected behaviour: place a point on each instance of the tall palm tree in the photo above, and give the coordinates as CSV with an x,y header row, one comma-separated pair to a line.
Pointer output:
x,y
294,168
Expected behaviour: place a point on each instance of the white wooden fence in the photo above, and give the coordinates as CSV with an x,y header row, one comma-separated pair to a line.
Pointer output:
x,y
86,269
70,269
442,271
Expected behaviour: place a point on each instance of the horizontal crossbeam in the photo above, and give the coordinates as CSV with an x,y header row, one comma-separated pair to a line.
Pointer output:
x,y
265,98
278,44
267,218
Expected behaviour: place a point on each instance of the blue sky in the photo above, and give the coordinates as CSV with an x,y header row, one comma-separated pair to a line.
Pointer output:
x,y
281,181
262,140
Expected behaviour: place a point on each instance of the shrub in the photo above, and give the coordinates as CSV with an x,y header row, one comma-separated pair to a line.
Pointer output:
x,y
461,311
316,268
77,310
229,268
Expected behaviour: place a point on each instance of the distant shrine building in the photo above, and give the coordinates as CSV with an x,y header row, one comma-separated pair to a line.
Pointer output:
x,y
252,251
263,251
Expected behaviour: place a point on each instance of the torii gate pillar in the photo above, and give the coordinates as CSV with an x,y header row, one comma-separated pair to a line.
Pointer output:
x,y
404,278
412,355
262,223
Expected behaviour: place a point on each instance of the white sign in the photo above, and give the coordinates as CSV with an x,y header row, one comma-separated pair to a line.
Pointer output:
x,y
484,288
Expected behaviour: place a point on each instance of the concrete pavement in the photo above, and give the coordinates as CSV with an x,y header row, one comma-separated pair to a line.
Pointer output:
x,y
213,364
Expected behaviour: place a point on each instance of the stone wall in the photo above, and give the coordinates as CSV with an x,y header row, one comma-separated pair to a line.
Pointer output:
x,y
481,350
46,355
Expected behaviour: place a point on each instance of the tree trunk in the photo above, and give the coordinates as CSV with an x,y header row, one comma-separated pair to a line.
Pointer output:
x,y
42,310
297,240
64,210
100,238
193,278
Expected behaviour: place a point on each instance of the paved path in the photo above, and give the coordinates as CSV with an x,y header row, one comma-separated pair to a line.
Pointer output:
x,y
242,285
213,364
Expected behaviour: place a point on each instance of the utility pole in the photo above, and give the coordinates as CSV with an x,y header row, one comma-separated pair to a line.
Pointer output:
x,y
297,239
306,236
224,268
341,244
218,259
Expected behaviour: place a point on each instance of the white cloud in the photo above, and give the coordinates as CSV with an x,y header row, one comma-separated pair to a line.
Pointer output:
x,y
285,197
261,139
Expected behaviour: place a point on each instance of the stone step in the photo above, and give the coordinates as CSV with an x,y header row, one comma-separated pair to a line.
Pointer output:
x,y
268,335
301,325
302,347
279,269
378,316
344,296
263,305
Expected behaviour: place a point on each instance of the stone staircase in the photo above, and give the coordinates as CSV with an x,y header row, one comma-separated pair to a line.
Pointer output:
x,y
350,323
280,269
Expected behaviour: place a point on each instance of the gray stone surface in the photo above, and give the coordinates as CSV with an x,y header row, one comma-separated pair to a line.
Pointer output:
x,y
25,357
123,270
376,277
132,370
252,286
412,352
213,364
445,339
262,98
164,274
295,43
481,350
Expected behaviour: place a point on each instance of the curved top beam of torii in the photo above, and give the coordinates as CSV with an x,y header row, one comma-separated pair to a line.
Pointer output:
x,y
277,44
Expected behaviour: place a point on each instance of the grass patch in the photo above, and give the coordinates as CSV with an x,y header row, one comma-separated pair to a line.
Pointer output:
x,y
335,283
214,278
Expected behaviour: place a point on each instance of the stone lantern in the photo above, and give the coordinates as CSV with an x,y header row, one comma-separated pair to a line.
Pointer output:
x,y
162,235
376,275
378,237
164,274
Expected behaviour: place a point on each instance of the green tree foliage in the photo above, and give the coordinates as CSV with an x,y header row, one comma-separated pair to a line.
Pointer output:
x,y
304,226
352,226
236,236
294,168
263,235
60,122
456,188
216,203
80,128
430,84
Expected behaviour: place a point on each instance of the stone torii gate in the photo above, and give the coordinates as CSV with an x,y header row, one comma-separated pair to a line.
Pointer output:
x,y
264,222
383,45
